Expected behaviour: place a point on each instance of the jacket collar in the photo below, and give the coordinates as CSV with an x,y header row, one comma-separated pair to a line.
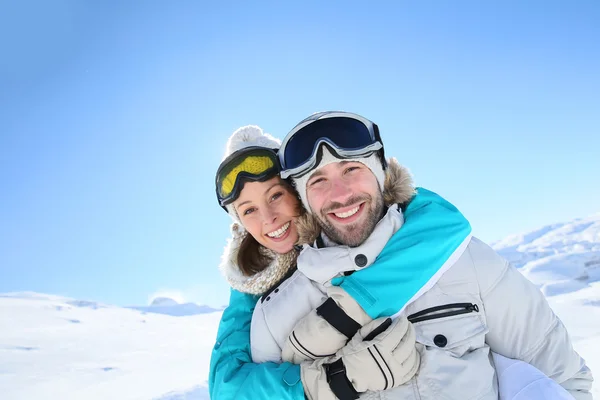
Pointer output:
x,y
321,264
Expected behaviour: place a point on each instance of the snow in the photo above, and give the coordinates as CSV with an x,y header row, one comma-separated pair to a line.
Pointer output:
x,y
580,312
579,236
53,347
168,306
58,348
559,258
163,301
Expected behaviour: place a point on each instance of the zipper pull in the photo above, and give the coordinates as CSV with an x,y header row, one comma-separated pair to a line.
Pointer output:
x,y
473,307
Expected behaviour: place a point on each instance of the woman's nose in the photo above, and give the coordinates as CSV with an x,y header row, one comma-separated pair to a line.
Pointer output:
x,y
269,216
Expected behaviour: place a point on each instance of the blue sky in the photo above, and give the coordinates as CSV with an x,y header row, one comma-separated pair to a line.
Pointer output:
x,y
114,117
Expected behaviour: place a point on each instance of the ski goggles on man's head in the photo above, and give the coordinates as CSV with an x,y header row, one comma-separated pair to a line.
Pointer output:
x,y
249,164
347,135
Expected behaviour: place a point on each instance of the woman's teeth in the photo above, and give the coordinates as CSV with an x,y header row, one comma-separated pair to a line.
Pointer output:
x,y
347,213
279,232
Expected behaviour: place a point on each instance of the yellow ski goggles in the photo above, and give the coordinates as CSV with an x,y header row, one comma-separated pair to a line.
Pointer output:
x,y
249,164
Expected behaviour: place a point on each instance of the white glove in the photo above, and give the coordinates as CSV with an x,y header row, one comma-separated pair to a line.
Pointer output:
x,y
313,337
375,359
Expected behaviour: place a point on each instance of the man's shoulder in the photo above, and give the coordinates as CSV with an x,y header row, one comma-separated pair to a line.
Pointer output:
x,y
478,262
481,252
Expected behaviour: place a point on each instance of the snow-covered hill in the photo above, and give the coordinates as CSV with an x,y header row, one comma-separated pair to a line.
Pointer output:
x,y
168,306
559,258
55,348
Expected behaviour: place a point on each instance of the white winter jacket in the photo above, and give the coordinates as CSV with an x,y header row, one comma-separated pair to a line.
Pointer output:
x,y
480,305
509,316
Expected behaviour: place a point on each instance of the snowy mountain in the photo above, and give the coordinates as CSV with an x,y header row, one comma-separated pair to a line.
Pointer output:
x,y
54,348
559,258
163,301
168,306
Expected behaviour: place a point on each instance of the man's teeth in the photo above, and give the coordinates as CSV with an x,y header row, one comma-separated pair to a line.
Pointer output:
x,y
347,213
279,232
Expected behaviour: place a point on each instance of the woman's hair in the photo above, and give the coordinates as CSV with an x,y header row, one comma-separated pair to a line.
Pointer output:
x,y
252,257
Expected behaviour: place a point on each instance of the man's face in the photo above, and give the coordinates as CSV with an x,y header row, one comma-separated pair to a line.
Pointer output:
x,y
346,199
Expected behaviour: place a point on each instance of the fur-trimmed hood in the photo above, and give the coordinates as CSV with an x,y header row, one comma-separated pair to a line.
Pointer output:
x,y
262,281
398,189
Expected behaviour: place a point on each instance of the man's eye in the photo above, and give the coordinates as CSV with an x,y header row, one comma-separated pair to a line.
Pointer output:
x,y
318,180
350,169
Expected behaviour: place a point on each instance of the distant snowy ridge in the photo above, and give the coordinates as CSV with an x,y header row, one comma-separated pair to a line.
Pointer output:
x,y
168,306
577,236
559,258
163,301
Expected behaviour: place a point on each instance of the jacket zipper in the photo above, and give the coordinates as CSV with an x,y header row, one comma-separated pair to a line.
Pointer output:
x,y
458,308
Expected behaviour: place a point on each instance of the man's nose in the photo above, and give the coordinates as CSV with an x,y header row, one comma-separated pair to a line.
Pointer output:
x,y
340,191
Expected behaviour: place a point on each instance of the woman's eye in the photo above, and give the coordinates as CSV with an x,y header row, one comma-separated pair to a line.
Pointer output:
x,y
249,211
350,169
276,196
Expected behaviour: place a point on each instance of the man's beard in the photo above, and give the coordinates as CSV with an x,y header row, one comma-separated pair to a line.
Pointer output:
x,y
353,235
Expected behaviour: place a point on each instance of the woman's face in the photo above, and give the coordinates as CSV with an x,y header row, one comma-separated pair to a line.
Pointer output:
x,y
268,210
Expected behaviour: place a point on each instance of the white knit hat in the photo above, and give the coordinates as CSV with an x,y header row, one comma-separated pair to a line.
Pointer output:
x,y
372,162
247,136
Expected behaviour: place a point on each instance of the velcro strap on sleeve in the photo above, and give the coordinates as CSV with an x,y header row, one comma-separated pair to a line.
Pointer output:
x,y
338,381
338,318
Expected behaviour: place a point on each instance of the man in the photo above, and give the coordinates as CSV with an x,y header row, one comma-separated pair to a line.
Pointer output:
x,y
461,309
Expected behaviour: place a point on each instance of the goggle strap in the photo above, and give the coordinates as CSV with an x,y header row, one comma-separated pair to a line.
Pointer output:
x,y
227,164
242,178
315,159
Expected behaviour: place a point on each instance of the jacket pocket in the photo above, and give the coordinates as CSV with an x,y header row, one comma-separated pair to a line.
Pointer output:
x,y
454,327
446,310
455,361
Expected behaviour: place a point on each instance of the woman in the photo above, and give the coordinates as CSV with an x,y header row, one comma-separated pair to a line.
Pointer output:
x,y
263,207
259,257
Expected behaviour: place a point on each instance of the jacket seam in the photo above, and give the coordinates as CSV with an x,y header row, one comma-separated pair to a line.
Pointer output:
x,y
529,354
496,282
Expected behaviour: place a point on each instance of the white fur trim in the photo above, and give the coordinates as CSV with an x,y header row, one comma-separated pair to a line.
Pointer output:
x,y
260,282
372,162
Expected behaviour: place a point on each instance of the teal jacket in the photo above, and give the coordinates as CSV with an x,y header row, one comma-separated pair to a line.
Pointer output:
x,y
433,229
